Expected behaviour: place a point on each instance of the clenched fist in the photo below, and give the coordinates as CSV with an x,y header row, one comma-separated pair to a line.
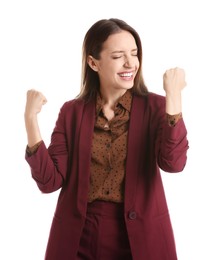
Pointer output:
x,y
174,81
34,103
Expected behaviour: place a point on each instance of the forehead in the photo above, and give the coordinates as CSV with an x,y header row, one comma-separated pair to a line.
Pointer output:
x,y
120,41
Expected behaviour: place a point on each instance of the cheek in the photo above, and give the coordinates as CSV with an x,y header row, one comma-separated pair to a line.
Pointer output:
x,y
106,73
110,68
137,63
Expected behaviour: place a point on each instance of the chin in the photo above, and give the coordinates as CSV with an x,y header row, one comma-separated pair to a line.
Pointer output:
x,y
128,86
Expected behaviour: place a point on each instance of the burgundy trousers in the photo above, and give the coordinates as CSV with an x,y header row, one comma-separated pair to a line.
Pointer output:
x,y
104,235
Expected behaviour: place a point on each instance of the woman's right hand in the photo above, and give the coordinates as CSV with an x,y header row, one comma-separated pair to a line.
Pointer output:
x,y
34,103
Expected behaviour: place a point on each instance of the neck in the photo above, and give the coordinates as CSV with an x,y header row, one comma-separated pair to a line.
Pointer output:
x,y
110,98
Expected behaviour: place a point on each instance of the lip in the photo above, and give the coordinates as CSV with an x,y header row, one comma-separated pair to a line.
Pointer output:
x,y
127,71
127,75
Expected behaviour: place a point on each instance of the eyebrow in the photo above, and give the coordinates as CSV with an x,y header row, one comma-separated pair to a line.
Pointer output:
x,y
123,51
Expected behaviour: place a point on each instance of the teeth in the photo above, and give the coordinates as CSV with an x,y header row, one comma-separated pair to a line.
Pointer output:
x,y
126,74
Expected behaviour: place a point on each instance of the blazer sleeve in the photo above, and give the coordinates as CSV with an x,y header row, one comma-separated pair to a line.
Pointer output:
x,y
49,165
171,143
172,147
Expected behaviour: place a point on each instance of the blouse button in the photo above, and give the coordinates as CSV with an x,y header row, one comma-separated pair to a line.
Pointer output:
x,y
108,169
108,145
132,215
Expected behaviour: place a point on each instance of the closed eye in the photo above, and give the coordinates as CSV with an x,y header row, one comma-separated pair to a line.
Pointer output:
x,y
134,54
116,57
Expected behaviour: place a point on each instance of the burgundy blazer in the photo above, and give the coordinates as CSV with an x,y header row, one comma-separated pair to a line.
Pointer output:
x,y
65,164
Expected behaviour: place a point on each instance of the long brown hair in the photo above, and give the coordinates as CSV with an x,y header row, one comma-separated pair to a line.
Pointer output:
x,y
92,45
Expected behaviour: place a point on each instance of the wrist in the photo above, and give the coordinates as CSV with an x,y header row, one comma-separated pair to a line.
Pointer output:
x,y
173,103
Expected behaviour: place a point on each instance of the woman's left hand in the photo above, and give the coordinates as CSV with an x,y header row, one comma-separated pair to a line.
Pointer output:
x,y
174,81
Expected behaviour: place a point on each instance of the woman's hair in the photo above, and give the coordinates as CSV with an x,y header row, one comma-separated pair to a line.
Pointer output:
x,y
93,44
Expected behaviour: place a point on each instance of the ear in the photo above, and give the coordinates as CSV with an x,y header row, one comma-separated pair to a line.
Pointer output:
x,y
92,62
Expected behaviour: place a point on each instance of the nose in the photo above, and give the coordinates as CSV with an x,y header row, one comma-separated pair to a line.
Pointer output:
x,y
129,61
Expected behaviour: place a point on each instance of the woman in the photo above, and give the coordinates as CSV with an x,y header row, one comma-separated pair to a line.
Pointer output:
x,y
106,152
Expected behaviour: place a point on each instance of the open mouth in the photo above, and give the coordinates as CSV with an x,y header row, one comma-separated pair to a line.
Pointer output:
x,y
126,75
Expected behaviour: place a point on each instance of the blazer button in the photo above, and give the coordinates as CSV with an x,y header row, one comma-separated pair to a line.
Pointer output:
x,y
132,215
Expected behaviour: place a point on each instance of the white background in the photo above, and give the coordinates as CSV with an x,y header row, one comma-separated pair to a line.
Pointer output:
x,y
40,47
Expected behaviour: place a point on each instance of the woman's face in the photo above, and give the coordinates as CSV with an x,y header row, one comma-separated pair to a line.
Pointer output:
x,y
118,63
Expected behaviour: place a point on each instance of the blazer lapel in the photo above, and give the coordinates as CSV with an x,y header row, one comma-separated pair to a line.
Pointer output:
x,y
136,137
84,158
